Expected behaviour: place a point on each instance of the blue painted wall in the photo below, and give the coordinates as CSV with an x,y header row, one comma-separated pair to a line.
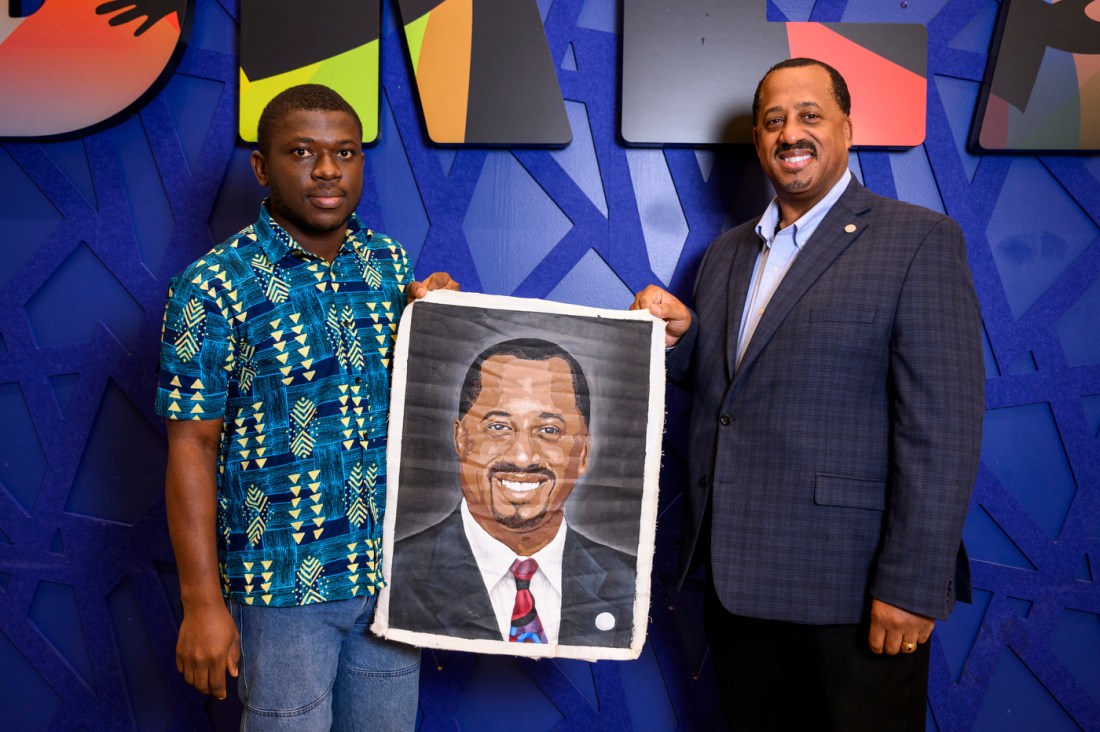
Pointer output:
x,y
92,229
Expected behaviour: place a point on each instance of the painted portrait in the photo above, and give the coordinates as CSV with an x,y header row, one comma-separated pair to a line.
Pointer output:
x,y
524,450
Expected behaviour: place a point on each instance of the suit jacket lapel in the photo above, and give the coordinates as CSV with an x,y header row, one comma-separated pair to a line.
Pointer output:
x,y
466,604
740,277
580,603
841,226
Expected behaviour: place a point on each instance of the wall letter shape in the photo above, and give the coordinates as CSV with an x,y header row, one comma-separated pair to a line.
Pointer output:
x,y
484,72
1042,83
287,42
690,69
75,65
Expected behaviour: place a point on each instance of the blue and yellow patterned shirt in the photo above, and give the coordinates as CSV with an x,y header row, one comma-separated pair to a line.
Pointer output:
x,y
294,354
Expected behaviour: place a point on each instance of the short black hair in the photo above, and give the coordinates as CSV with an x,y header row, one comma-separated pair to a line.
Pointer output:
x,y
525,349
310,97
840,87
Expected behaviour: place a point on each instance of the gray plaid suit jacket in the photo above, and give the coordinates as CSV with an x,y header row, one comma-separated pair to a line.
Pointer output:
x,y
840,455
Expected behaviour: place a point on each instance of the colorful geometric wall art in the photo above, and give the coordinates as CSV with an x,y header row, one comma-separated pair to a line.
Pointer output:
x,y
484,73
700,61
72,66
285,43
1042,84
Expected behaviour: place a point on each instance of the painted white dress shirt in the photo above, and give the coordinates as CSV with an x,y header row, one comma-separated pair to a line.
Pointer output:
x,y
494,559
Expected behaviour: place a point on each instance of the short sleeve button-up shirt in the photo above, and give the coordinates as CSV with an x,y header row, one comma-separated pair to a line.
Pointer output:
x,y
293,353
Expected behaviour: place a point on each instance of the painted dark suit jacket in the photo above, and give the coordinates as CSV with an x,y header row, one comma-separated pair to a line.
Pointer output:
x,y
840,455
437,588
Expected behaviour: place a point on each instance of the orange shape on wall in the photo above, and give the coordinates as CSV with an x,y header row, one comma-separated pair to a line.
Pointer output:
x,y
443,69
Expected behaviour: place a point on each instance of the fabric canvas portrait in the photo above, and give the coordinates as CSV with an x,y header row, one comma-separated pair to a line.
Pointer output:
x,y
611,511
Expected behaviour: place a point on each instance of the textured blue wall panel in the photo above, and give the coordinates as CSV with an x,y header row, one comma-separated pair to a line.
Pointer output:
x,y
93,229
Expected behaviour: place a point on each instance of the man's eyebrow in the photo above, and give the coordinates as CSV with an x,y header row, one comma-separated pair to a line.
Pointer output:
x,y
798,105
501,413
310,140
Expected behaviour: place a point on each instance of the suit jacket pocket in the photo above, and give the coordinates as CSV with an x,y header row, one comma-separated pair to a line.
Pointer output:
x,y
839,490
841,315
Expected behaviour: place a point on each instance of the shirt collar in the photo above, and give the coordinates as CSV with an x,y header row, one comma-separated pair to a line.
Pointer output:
x,y
277,243
494,559
805,227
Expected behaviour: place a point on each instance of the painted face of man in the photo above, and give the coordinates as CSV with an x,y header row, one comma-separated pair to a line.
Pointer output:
x,y
802,137
521,447
314,171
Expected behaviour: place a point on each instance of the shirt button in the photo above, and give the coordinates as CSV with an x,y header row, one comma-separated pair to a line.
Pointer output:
x,y
724,420
358,380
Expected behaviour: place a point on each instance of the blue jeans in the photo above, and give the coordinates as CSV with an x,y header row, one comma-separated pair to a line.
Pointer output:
x,y
318,667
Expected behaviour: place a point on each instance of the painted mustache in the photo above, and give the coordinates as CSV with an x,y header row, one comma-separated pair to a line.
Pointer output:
x,y
514,471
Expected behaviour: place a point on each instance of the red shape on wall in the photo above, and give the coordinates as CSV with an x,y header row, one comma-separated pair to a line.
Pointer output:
x,y
888,101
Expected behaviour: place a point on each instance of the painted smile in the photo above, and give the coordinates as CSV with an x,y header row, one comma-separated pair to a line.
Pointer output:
x,y
518,480
516,486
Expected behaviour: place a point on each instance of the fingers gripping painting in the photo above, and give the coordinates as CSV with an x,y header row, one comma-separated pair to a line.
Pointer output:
x,y
524,454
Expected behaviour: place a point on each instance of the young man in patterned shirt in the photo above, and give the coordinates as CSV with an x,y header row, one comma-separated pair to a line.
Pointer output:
x,y
274,385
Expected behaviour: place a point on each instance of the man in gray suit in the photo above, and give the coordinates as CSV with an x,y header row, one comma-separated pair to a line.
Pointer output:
x,y
834,353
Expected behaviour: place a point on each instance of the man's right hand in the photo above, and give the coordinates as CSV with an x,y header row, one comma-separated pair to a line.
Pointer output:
x,y
665,306
209,644
208,647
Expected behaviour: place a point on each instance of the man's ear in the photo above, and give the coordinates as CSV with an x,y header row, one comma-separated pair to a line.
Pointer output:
x,y
259,167
460,436
582,461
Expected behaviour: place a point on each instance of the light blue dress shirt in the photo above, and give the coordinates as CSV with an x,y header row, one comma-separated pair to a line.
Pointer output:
x,y
781,246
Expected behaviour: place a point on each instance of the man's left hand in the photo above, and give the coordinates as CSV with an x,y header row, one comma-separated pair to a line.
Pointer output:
x,y
894,630
435,281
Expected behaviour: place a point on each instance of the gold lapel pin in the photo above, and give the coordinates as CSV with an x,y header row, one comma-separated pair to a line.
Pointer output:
x,y
850,228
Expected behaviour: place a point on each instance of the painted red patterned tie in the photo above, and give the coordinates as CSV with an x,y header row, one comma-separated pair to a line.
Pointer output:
x,y
526,626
